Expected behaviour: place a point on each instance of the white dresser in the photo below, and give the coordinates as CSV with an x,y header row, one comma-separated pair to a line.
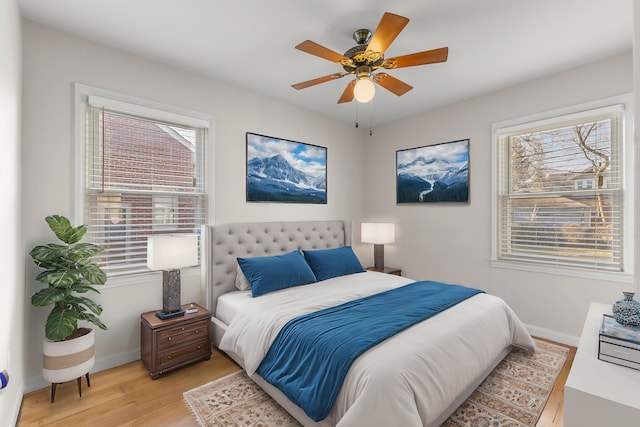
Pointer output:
x,y
599,393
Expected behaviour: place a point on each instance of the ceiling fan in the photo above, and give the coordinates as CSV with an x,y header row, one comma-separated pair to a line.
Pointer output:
x,y
367,57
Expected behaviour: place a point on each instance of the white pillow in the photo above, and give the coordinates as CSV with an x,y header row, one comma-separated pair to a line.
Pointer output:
x,y
241,281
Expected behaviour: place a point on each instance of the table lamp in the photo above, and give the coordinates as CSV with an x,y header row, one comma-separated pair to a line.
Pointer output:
x,y
170,252
378,233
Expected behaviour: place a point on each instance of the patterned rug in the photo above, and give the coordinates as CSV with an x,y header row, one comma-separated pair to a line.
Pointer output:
x,y
513,395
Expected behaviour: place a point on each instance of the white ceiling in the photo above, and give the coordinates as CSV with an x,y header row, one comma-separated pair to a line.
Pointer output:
x,y
250,43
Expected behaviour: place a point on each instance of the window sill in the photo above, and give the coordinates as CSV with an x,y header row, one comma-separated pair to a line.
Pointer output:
x,y
564,271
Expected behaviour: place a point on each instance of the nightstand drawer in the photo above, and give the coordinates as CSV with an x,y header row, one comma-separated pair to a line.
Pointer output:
x,y
179,334
176,355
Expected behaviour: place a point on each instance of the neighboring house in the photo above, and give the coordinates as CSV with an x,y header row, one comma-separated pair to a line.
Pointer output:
x,y
588,222
160,166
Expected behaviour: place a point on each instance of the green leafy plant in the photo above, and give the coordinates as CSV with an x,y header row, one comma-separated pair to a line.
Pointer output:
x,y
69,270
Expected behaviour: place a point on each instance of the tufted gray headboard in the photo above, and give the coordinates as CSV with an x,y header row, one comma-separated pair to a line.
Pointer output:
x,y
222,244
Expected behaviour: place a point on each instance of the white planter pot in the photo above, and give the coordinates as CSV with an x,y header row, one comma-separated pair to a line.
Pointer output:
x,y
68,360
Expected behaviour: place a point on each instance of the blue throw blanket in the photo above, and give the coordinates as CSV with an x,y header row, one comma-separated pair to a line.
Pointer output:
x,y
312,353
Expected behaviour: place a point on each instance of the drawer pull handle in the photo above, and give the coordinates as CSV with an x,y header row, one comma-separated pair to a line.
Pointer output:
x,y
169,338
197,330
182,329
199,347
169,357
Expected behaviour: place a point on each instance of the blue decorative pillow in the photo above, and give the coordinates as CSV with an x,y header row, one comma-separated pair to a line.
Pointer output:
x,y
271,273
328,263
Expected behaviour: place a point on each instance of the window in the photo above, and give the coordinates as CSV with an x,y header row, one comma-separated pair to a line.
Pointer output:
x,y
561,192
144,174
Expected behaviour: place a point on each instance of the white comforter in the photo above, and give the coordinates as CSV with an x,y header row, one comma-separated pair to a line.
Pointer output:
x,y
408,380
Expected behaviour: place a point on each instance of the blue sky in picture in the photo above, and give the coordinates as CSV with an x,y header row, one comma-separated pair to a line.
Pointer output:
x,y
309,159
451,153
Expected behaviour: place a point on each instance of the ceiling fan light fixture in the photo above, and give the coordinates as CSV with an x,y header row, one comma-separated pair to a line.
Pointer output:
x,y
364,90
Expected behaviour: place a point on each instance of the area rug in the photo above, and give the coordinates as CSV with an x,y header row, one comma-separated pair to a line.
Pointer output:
x,y
513,395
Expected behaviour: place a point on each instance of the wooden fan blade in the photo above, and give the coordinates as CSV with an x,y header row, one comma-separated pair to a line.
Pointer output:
x,y
322,52
392,84
388,29
419,58
317,81
347,95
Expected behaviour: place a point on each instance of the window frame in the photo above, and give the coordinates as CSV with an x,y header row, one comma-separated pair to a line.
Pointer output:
x,y
559,116
83,94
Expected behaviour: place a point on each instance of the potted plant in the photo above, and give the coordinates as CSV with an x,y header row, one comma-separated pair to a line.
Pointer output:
x,y
69,271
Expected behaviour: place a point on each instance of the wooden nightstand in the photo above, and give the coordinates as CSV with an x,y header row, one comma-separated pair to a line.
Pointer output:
x,y
388,270
169,344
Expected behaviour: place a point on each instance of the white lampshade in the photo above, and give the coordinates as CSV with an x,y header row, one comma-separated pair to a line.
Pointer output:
x,y
378,232
364,90
172,251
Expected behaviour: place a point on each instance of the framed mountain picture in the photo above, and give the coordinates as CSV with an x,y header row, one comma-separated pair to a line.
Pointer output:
x,y
280,170
433,173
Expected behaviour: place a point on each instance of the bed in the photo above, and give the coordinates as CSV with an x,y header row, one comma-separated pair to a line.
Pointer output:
x,y
416,378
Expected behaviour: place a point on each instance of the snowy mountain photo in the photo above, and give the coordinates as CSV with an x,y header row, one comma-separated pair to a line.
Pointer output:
x,y
280,170
435,173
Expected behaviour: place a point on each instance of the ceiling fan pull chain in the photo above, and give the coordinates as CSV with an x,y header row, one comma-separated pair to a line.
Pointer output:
x,y
357,113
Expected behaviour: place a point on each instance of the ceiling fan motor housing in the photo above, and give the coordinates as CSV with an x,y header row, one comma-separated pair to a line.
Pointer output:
x,y
359,56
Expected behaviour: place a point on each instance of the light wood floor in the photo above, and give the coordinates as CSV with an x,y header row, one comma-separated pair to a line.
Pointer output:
x,y
127,396
553,414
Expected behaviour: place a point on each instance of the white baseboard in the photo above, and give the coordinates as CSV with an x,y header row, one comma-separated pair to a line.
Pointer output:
x,y
105,363
553,335
35,383
102,364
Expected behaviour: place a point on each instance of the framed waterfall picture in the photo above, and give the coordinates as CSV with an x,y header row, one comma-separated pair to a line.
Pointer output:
x,y
280,170
433,173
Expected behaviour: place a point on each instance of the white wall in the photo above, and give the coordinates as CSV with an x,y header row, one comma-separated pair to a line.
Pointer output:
x,y
452,243
53,62
12,326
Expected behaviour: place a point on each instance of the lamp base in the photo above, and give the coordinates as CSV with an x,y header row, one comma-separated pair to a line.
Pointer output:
x,y
171,291
378,256
162,315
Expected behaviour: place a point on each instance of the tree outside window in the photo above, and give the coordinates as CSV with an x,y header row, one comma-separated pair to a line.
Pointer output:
x,y
560,193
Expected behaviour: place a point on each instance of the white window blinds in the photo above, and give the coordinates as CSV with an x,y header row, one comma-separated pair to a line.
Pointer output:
x,y
144,176
560,192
